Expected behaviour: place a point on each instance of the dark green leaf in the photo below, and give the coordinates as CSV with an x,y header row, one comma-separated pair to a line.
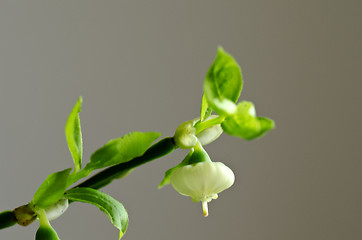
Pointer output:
x,y
245,124
114,210
223,84
122,149
74,135
52,189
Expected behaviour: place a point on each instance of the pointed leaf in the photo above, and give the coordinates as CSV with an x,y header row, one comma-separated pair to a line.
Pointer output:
x,y
114,210
122,149
223,84
74,135
167,178
52,189
205,111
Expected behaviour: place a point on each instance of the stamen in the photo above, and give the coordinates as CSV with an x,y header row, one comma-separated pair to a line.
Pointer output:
x,y
205,208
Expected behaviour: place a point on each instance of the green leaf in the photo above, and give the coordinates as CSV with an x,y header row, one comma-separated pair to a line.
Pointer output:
x,y
52,189
74,135
167,178
245,124
114,210
223,84
205,111
122,149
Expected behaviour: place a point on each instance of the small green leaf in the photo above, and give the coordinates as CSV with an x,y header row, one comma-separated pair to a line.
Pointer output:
x,y
114,210
205,111
223,84
122,149
73,135
167,178
52,189
245,124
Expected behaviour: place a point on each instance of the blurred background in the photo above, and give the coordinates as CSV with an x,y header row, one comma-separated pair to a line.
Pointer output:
x,y
140,65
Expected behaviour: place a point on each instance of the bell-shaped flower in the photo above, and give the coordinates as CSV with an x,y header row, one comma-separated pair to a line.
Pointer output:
x,y
202,179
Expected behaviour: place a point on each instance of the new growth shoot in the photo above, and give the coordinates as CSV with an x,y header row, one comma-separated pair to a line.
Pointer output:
x,y
196,176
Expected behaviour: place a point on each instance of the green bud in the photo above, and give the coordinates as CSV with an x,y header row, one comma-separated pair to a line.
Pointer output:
x,y
186,137
25,215
46,233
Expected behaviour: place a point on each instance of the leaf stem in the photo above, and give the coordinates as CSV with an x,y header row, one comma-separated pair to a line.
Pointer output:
x,y
43,219
209,123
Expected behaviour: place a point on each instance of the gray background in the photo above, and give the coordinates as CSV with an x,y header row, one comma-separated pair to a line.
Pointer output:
x,y
139,65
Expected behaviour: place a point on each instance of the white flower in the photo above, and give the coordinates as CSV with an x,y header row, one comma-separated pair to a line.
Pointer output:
x,y
202,181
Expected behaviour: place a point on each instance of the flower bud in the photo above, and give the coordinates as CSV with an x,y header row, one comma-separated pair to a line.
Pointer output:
x,y
202,181
185,136
46,233
57,209
24,215
210,134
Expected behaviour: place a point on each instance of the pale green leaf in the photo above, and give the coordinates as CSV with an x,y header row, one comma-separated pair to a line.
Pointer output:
x,y
205,111
73,135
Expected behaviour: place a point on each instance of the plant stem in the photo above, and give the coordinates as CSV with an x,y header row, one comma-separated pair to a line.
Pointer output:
x,y
7,219
43,219
103,178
